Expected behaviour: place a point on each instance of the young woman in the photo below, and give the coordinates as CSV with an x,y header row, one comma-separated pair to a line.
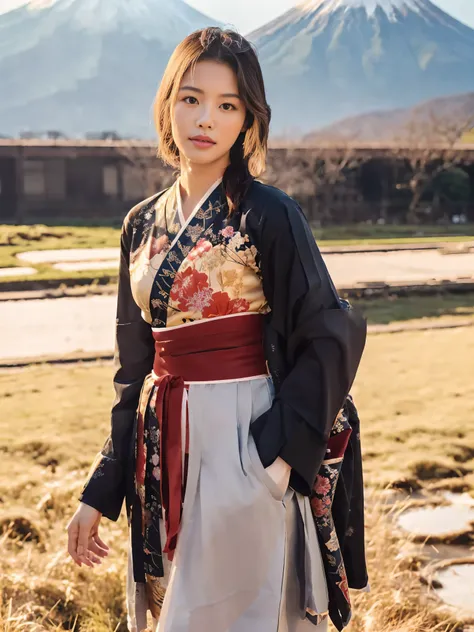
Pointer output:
x,y
234,357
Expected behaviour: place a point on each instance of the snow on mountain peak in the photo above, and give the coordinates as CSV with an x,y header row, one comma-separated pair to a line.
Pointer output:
x,y
154,19
389,6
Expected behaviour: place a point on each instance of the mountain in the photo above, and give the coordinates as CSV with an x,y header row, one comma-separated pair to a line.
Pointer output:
x,y
325,60
82,66
435,117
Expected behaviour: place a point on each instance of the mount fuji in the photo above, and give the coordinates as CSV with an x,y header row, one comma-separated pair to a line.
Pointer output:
x,y
81,66
326,60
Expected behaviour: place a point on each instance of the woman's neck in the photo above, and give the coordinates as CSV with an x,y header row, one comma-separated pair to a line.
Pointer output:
x,y
194,181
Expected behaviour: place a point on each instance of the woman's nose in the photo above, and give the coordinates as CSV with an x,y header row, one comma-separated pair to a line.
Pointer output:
x,y
205,119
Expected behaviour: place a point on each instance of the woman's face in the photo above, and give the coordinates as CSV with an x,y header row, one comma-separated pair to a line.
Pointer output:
x,y
208,104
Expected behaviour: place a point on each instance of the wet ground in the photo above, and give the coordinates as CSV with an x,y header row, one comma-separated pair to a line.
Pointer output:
x,y
450,567
457,588
426,521
57,326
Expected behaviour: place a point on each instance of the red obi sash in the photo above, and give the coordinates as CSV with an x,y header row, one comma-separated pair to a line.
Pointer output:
x,y
213,350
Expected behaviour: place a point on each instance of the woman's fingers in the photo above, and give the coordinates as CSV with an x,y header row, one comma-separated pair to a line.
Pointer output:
x,y
94,547
85,555
100,542
84,544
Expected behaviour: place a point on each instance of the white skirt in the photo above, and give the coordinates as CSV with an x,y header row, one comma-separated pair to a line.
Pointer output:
x,y
235,566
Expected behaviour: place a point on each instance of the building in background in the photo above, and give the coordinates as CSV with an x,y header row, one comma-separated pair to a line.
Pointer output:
x,y
98,181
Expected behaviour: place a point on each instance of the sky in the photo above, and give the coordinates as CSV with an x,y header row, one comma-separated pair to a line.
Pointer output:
x,y
246,15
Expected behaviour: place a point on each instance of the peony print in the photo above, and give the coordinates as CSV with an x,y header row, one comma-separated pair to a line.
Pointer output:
x,y
186,285
321,506
323,486
202,246
200,300
222,305
227,232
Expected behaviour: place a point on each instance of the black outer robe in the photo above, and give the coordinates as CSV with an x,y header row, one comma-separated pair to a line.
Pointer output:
x,y
313,343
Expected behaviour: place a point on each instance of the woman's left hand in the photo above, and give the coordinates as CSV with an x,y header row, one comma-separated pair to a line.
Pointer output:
x,y
280,472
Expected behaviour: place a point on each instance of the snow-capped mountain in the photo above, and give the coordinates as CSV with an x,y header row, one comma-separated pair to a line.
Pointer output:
x,y
326,60
82,66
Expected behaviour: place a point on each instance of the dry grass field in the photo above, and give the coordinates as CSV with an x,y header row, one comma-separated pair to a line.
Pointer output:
x,y
415,396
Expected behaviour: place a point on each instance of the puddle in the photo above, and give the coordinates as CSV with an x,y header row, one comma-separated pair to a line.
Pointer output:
x,y
442,542
459,499
72,254
61,326
346,269
87,265
438,521
457,586
6,272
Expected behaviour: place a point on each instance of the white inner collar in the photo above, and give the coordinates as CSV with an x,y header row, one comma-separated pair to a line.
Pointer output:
x,y
185,222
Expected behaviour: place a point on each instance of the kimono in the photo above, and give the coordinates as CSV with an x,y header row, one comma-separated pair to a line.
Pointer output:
x,y
244,308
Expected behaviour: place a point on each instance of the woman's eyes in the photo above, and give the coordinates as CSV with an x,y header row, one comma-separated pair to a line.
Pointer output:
x,y
232,106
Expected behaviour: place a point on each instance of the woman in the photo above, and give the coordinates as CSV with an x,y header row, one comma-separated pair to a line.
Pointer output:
x,y
234,356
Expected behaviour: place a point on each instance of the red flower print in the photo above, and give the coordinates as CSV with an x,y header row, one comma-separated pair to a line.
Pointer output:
x,y
228,231
322,486
222,305
200,300
320,506
186,285
199,249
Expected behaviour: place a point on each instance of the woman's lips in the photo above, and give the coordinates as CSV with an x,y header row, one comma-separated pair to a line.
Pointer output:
x,y
202,144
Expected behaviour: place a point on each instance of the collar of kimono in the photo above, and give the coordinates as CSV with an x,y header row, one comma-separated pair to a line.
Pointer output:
x,y
196,208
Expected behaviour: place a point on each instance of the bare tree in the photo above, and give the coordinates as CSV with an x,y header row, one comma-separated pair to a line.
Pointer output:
x,y
429,145
307,172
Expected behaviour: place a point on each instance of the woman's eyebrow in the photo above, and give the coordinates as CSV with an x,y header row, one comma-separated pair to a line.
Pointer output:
x,y
192,88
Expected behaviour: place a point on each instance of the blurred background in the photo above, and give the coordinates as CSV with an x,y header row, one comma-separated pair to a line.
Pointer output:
x,y
373,134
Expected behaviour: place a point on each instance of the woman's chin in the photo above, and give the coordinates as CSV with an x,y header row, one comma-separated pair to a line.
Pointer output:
x,y
202,157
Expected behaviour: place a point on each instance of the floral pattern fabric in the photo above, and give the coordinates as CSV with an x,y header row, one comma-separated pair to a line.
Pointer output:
x,y
202,268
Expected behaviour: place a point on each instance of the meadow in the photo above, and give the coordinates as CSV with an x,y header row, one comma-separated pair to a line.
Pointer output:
x,y
415,397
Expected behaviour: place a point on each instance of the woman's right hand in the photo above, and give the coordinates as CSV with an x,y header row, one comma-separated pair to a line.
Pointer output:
x,y
84,543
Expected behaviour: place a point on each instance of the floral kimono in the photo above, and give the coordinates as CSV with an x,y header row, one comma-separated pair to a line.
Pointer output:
x,y
233,348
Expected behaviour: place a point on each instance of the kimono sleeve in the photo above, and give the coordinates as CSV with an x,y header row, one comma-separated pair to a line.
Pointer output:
x,y
105,488
319,339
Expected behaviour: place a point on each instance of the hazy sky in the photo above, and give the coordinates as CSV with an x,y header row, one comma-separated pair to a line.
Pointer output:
x,y
247,15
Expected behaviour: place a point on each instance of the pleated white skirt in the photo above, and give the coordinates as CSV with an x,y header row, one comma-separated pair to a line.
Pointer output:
x,y
234,568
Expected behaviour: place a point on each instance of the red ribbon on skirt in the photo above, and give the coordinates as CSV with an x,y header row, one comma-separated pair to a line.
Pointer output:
x,y
220,349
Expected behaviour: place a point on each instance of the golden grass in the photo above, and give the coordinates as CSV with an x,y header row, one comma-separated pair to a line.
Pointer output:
x,y
415,396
